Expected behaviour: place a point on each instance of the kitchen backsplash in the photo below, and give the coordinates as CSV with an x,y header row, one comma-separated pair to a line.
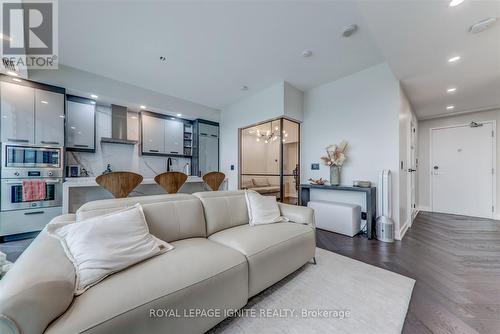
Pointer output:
x,y
121,157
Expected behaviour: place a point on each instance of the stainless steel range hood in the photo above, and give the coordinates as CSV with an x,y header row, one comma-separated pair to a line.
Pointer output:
x,y
118,127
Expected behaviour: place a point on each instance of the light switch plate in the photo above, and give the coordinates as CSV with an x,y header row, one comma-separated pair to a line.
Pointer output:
x,y
315,166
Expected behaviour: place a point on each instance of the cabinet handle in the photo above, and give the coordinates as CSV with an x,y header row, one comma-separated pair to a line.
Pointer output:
x,y
214,136
34,213
203,134
80,145
154,151
18,140
50,142
174,152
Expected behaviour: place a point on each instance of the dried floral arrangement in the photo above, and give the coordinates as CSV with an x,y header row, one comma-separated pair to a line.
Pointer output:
x,y
335,154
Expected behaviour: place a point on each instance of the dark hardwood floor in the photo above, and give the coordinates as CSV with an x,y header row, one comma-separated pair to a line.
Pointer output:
x,y
455,261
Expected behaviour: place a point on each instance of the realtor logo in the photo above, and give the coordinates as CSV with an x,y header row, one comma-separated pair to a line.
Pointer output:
x,y
29,33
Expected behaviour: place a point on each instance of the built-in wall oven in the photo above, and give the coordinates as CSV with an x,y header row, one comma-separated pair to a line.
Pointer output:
x,y
20,163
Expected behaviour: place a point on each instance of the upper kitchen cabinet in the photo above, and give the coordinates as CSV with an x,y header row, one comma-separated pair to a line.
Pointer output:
x,y
153,134
174,136
165,135
31,113
80,124
49,118
17,110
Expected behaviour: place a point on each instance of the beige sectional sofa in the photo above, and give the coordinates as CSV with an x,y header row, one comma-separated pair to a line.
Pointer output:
x,y
219,261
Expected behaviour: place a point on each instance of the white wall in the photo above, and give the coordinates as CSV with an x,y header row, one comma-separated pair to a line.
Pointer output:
x,y
424,170
406,116
363,109
262,106
121,157
294,102
112,91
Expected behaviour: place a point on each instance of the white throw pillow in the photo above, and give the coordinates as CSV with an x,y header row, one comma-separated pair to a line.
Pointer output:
x,y
261,182
262,209
103,245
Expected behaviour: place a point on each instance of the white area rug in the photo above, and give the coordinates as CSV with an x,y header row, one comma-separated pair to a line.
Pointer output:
x,y
377,301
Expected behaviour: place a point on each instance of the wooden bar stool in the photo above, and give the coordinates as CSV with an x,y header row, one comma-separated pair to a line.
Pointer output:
x,y
171,181
120,184
214,180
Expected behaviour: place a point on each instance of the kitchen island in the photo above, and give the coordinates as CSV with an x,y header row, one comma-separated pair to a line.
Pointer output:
x,y
80,190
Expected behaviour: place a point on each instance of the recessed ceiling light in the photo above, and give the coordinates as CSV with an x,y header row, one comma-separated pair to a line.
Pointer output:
x,y
16,80
454,3
244,88
454,59
451,90
94,96
349,30
450,107
44,102
179,115
14,74
307,53
62,116
142,107
483,25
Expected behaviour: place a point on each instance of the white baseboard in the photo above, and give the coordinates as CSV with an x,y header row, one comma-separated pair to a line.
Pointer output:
x,y
403,229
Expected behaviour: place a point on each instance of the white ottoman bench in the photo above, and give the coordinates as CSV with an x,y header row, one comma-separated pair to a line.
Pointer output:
x,y
337,217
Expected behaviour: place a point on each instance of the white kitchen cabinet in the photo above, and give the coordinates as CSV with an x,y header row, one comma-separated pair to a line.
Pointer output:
x,y
208,154
17,113
208,129
208,148
174,137
153,134
80,124
49,118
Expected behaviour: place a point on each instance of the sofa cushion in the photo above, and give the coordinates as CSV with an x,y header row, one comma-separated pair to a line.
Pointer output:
x,y
170,217
273,251
223,209
196,274
38,288
262,209
262,182
103,245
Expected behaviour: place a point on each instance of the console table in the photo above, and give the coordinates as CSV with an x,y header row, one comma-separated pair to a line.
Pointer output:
x,y
371,201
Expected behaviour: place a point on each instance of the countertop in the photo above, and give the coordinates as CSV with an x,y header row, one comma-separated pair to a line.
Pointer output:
x,y
90,181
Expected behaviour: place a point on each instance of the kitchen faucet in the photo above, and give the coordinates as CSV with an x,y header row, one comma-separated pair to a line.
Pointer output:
x,y
169,163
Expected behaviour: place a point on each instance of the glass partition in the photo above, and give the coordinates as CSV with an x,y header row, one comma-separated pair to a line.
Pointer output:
x,y
269,159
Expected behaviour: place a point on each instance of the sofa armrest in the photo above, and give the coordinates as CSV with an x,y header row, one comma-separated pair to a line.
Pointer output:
x,y
39,287
297,214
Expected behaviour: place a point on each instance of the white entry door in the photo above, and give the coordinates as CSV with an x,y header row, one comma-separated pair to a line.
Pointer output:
x,y
462,170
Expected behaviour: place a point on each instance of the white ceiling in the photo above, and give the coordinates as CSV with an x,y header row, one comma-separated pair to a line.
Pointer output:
x,y
213,48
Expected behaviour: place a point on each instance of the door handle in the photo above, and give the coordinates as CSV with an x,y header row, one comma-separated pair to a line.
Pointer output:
x,y
34,213
18,140
411,170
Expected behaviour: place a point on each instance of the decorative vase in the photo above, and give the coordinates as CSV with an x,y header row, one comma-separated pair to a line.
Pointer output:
x,y
334,175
